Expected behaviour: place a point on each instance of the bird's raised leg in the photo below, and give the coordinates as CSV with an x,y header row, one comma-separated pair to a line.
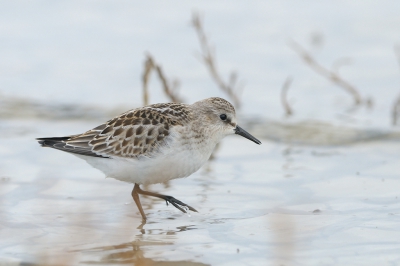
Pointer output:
x,y
176,203
136,198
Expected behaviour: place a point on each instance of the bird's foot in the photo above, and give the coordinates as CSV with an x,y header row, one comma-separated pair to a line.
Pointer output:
x,y
178,204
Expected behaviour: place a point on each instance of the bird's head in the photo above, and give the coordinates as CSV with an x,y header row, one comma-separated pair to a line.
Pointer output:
x,y
221,116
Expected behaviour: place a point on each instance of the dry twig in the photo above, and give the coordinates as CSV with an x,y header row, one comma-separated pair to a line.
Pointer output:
x,y
170,89
396,112
396,105
285,103
231,88
148,66
332,76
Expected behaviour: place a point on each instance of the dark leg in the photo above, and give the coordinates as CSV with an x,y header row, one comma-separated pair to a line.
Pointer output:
x,y
176,203
136,198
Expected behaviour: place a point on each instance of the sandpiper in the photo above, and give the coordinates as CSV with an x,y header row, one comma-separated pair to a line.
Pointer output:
x,y
155,143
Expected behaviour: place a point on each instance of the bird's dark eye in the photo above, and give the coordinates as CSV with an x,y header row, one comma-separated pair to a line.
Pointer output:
x,y
223,117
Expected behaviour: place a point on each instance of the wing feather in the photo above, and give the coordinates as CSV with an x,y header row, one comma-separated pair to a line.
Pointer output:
x,y
138,132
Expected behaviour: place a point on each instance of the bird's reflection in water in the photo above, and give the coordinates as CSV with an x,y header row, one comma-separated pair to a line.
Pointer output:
x,y
132,253
163,231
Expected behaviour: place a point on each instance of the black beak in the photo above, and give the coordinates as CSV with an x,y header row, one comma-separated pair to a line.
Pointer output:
x,y
240,131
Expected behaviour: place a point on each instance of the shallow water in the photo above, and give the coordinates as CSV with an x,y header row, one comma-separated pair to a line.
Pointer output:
x,y
322,189
269,204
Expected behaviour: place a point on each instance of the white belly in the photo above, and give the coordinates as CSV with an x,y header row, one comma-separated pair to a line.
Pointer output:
x,y
175,162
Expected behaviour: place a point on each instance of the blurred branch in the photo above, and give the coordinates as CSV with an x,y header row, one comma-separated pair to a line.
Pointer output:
x,y
208,57
332,76
396,105
170,88
148,66
285,103
396,112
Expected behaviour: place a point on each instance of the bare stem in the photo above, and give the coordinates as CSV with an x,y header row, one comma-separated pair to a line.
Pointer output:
x,y
332,76
208,57
148,66
170,89
396,112
396,105
285,103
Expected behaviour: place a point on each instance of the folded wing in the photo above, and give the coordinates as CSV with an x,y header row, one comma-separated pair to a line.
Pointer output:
x,y
134,133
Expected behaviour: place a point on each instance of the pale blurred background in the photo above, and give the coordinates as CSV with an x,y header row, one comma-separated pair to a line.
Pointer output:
x,y
93,52
322,189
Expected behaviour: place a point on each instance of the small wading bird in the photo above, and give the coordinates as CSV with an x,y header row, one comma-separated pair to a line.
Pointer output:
x,y
155,143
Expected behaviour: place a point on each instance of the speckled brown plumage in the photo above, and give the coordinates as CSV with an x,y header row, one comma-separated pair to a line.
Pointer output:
x,y
133,133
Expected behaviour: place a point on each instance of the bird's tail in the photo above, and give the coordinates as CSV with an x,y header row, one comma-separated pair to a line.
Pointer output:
x,y
50,142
